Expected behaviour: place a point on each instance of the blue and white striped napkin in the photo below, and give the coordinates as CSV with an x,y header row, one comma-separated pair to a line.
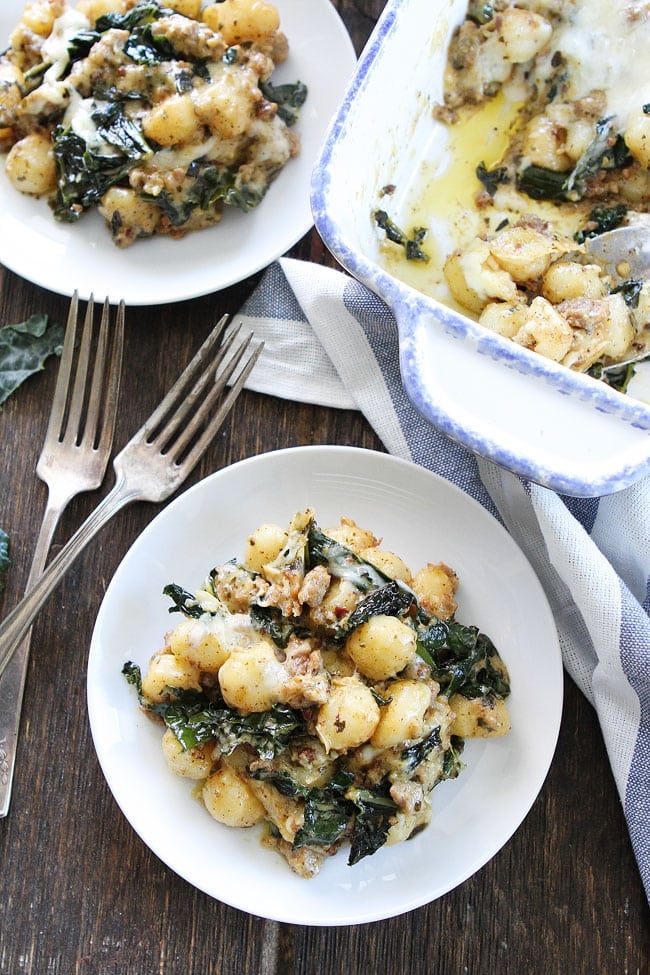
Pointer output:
x,y
330,341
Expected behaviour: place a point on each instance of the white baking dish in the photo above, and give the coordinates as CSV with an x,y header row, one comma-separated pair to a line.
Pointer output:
x,y
559,428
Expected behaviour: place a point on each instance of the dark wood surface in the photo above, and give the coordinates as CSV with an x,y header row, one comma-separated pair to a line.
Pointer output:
x,y
80,894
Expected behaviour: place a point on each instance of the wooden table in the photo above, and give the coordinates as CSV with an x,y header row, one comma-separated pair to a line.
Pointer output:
x,y
80,894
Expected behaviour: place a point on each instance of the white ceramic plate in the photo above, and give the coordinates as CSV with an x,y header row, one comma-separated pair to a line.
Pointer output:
x,y
559,428
423,518
63,257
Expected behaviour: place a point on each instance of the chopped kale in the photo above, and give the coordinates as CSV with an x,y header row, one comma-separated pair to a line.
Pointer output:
x,y
605,151
618,377
452,765
327,813
418,752
195,719
412,245
83,176
375,812
342,563
540,183
183,601
392,599
120,131
288,97
602,219
338,811
144,46
79,46
491,178
463,660
212,186
270,621
631,291
139,16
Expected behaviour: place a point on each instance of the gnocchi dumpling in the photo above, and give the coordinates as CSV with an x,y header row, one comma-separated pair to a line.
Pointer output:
x,y
382,647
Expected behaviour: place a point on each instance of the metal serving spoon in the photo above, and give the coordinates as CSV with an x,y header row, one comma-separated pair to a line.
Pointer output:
x,y
624,253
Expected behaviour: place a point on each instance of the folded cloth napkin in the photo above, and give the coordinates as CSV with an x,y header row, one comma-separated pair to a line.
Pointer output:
x,y
330,341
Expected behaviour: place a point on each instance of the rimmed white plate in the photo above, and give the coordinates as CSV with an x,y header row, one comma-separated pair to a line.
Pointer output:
x,y
62,257
423,518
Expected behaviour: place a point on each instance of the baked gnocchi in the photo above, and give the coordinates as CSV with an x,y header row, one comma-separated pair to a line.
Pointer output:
x,y
157,116
327,720
545,120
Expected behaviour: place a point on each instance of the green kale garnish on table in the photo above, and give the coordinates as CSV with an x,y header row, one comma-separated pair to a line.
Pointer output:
x,y
24,347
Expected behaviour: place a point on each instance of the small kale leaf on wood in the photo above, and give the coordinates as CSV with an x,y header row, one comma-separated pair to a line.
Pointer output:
x,y
24,347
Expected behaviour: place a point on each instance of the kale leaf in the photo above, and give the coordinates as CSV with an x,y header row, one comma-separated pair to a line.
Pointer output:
x,y
416,753
24,347
338,810
212,185
183,601
120,131
452,765
327,813
288,97
136,19
604,152
342,562
195,719
618,376
139,16
375,812
144,46
84,175
602,219
270,621
491,178
463,660
392,599
412,245
540,183
631,291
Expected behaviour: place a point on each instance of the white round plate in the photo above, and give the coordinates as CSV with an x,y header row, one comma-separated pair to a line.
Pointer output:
x,y
421,517
62,257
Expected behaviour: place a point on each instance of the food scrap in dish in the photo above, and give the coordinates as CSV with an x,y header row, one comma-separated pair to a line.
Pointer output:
x,y
157,117
546,126
322,689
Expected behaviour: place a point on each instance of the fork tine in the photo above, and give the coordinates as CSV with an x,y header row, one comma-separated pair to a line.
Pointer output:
x,y
72,425
169,401
212,427
111,391
57,412
189,404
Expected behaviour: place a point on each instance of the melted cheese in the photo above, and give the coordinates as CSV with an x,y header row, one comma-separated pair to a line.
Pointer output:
x,y
54,50
607,45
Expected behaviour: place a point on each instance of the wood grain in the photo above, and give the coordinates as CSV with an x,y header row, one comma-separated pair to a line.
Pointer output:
x,y
80,894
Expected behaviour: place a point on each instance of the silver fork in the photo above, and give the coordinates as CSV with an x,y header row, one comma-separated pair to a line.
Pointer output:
x,y
154,462
74,458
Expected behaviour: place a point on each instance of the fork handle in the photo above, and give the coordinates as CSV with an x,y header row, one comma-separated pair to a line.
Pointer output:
x,y
12,681
15,626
